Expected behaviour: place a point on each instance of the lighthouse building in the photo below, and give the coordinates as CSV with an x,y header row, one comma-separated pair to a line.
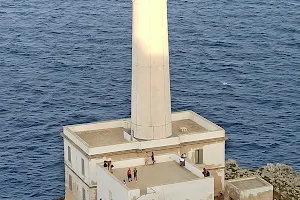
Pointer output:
x,y
168,150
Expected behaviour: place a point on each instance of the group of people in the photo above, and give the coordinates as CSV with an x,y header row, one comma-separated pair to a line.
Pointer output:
x,y
129,176
108,165
152,158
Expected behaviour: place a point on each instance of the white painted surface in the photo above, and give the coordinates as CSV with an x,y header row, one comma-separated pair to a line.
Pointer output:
x,y
192,168
134,194
77,185
159,143
75,163
214,154
93,170
114,148
76,139
151,98
150,196
200,189
201,136
108,183
100,125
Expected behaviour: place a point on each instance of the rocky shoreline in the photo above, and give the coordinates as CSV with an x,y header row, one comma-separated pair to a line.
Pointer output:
x,y
285,180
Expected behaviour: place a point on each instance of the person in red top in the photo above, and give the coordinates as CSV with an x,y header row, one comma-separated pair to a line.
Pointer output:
x,y
129,175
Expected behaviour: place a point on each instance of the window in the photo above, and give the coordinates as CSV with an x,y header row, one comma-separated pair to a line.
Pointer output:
x,y
70,181
110,195
199,156
69,154
82,167
83,194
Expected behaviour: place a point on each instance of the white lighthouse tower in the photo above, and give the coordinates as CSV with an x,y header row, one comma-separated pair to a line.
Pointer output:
x,y
150,101
151,130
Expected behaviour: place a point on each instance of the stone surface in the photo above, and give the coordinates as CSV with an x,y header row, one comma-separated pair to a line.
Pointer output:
x,y
285,180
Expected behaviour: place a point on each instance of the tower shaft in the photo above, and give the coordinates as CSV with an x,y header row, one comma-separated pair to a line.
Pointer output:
x,y
150,101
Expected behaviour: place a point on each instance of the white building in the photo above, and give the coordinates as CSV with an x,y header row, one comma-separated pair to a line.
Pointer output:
x,y
151,128
87,146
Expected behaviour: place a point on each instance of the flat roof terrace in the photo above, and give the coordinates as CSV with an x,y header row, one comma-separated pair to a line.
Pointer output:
x,y
103,137
248,183
154,175
191,127
186,125
112,136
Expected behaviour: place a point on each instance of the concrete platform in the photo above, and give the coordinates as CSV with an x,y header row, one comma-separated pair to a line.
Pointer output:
x,y
154,175
113,136
251,188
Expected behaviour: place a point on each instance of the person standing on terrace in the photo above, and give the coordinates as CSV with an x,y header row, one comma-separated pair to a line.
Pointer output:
x,y
146,159
152,157
129,175
135,174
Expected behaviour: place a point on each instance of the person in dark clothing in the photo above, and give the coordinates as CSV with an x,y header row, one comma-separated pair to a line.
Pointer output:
x,y
152,157
108,164
105,164
129,175
205,173
182,159
135,174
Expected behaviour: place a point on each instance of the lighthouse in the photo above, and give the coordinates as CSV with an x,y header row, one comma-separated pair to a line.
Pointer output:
x,y
151,99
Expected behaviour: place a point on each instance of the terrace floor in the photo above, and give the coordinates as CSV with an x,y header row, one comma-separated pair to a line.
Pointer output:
x,y
154,175
113,136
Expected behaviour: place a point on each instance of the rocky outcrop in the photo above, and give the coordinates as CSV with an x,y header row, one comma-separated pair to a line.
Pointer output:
x,y
285,180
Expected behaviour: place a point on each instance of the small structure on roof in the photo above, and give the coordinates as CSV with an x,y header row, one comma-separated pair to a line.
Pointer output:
x,y
251,188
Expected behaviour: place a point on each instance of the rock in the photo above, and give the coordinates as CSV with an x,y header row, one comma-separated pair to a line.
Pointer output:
x,y
283,177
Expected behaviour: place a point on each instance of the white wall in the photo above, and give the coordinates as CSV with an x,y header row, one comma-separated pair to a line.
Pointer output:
x,y
134,194
75,163
77,185
214,154
76,139
149,196
93,170
201,136
110,183
193,169
200,189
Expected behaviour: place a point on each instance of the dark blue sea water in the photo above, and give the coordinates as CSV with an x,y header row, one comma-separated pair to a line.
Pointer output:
x,y
236,62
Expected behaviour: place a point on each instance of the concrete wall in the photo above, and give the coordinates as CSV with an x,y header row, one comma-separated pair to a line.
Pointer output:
x,y
151,196
75,163
257,193
76,140
77,187
108,183
100,125
213,160
188,114
134,194
200,189
214,154
262,193
219,177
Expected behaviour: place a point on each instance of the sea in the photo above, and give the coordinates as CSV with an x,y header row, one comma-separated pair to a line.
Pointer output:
x,y
235,62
